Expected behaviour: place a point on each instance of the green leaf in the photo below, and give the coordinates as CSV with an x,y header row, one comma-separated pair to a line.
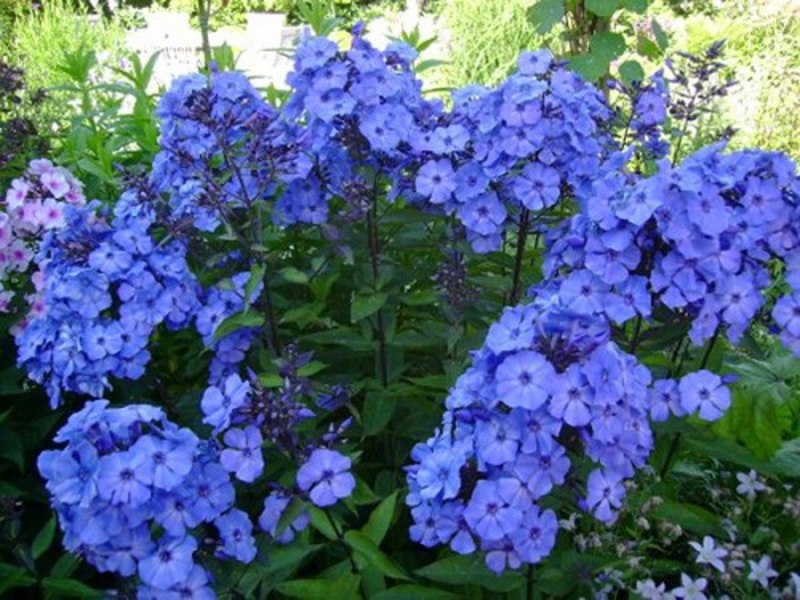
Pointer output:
x,y
237,321
601,8
631,71
754,420
426,65
362,307
65,566
691,517
420,298
11,447
471,569
282,562
546,14
414,592
647,47
380,519
293,275
256,277
71,588
374,555
637,6
726,451
12,576
661,37
320,522
339,336
608,45
786,461
379,407
591,66
44,539
311,589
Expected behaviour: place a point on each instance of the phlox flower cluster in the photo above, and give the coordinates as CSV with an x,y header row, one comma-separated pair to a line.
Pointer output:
x,y
644,124
699,239
218,303
135,494
107,287
34,205
547,391
536,138
364,112
249,416
223,149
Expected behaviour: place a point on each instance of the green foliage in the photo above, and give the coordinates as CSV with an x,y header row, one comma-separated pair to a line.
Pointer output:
x,y
485,39
45,37
763,53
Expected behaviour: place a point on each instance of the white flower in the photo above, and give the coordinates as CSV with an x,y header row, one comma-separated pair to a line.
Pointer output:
x,y
762,571
648,590
749,485
709,554
690,589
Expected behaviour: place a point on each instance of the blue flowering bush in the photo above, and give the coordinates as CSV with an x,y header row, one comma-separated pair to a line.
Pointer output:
x,y
359,342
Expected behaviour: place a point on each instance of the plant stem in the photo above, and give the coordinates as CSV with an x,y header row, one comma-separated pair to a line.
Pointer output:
x,y
676,439
204,14
340,538
374,253
522,237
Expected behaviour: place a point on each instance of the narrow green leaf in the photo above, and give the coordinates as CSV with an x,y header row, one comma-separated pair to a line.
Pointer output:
x,y
414,592
12,576
379,407
257,273
237,321
11,447
691,517
546,14
380,519
293,275
44,539
71,588
320,522
310,589
362,307
661,37
471,569
361,543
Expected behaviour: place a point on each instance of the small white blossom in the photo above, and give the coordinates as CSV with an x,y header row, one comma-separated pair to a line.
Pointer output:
x,y
691,589
749,485
709,554
648,590
762,571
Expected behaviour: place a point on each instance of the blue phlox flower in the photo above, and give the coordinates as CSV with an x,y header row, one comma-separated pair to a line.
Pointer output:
x,y
235,531
170,564
705,391
243,455
326,477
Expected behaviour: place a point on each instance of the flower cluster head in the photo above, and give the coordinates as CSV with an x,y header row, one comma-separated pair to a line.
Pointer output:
x,y
108,285
547,390
649,103
224,150
698,240
34,204
364,112
536,138
250,416
134,492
